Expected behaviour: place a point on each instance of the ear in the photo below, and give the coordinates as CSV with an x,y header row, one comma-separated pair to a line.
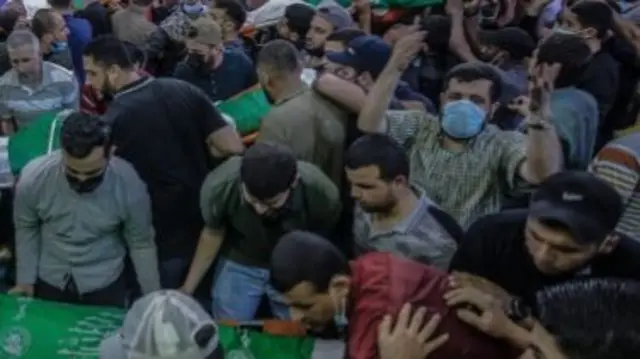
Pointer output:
x,y
590,33
609,244
47,38
339,286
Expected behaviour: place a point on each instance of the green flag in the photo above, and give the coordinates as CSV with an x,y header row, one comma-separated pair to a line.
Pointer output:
x,y
38,137
35,329
246,109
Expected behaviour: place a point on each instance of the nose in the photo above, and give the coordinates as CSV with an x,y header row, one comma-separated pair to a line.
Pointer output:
x,y
355,193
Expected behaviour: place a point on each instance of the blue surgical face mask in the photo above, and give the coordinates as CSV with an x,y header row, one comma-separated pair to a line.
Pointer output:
x,y
59,46
561,30
462,119
193,9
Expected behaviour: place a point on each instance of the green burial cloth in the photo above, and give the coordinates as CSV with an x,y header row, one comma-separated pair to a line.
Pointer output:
x,y
246,109
38,137
35,329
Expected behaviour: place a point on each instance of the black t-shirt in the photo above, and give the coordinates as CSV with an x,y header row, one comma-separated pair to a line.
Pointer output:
x,y
161,126
494,248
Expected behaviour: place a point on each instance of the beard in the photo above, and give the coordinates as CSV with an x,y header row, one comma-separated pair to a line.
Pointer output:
x,y
27,77
382,208
107,90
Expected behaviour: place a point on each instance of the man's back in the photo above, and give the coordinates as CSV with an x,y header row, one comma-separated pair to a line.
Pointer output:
x,y
131,25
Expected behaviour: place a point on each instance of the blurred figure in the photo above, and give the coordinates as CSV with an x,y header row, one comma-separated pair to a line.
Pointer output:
x,y
50,28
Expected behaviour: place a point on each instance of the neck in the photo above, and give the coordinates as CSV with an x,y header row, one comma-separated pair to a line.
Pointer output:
x,y
594,45
405,205
453,145
129,78
44,48
293,84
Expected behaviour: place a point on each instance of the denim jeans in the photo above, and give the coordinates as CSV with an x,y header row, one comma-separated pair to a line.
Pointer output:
x,y
238,289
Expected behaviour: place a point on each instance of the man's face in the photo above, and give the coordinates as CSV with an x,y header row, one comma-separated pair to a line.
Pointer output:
x,y
318,32
26,61
204,55
98,77
60,31
554,251
478,92
543,345
312,309
85,174
270,208
372,193
568,21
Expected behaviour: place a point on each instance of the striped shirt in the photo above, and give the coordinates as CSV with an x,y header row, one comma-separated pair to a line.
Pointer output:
x,y
619,164
467,184
58,91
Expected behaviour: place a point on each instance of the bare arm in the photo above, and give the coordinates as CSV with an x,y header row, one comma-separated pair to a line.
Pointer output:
x,y
347,94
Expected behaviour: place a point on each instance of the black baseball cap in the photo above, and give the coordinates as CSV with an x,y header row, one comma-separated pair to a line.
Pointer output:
x,y
588,206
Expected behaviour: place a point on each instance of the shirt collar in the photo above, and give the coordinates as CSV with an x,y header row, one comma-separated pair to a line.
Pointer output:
x,y
135,85
292,94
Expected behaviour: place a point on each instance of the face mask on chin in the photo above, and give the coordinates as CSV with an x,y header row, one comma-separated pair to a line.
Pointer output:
x,y
88,185
462,119
59,46
193,9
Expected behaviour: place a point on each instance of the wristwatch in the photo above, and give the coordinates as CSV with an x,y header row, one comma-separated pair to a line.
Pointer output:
x,y
517,310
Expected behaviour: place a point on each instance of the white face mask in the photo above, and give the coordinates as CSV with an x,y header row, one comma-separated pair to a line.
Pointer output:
x,y
561,30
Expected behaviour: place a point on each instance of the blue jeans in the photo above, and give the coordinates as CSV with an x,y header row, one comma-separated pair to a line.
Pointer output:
x,y
238,289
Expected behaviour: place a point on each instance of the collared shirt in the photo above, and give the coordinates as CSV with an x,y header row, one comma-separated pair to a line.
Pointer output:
x,y
419,236
314,206
466,184
235,74
58,91
312,127
62,235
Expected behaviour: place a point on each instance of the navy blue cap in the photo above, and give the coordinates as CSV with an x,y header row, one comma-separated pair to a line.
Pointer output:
x,y
365,53
587,205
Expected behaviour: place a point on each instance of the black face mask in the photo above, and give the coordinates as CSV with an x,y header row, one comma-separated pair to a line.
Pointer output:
x,y
317,52
276,216
197,61
88,185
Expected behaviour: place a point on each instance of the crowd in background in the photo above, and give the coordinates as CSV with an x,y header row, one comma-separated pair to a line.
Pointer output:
x,y
451,180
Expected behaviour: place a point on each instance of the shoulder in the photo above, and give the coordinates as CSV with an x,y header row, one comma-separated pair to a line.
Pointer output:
x,y
8,78
58,73
314,179
38,171
498,137
221,180
575,100
238,57
125,173
499,229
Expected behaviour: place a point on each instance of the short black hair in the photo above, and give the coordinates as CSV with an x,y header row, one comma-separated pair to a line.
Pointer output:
x,y
594,14
107,51
42,22
135,53
299,18
303,256
381,151
234,10
8,20
345,36
280,56
81,133
59,4
568,50
593,318
473,71
268,169
438,28
515,41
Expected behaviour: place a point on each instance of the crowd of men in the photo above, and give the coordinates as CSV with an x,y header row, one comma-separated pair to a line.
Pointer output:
x,y
455,181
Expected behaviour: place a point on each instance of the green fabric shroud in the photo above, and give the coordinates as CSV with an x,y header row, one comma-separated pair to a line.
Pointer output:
x,y
246,109
35,329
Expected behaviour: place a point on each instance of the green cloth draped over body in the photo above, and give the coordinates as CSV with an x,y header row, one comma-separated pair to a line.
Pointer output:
x,y
34,139
387,4
35,329
246,109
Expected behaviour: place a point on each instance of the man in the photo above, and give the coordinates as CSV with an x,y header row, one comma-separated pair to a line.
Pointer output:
x,y
50,28
220,73
311,126
391,215
322,288
33,87
295,24
231,16
566,232
463,164
593,21
339,41
363,61
618,163
168,130
166,45
75,211
80,33
248,203
131,24
574,319
329,17
162,325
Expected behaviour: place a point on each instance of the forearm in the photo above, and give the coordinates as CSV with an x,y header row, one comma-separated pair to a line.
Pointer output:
x,y
145,262
28,240
544,154
371,117
225,142
207,250
458,42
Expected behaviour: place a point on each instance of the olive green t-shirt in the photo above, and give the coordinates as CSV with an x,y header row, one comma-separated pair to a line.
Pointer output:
x,y
315,207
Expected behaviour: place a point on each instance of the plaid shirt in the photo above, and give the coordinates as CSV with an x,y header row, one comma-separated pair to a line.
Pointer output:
x,y
466,184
